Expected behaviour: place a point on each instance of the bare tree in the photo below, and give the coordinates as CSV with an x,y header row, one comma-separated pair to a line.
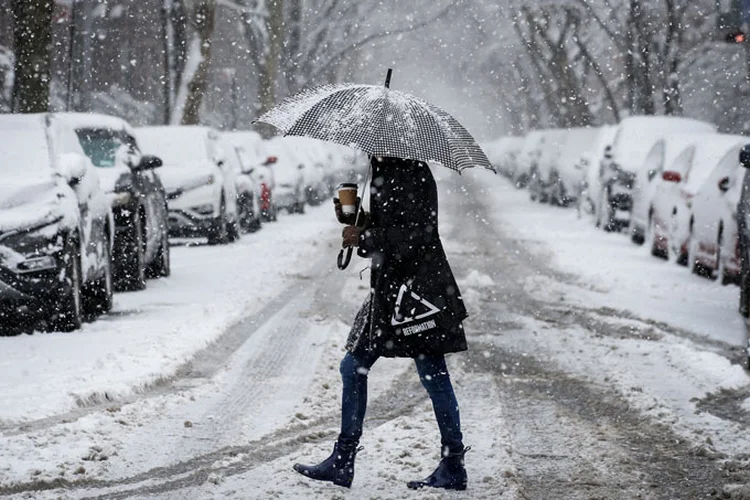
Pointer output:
x,y
32,39
194,77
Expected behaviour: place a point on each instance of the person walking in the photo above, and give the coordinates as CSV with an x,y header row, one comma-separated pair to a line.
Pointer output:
x,y
414,310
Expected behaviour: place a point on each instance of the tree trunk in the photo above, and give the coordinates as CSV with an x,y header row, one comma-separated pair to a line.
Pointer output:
x,y
269,70
195,78
32,36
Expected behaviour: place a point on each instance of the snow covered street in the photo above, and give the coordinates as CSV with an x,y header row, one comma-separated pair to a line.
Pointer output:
x,y
594,371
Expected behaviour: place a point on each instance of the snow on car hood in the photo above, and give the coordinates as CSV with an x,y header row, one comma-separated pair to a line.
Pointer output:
x,y
184,177
29,204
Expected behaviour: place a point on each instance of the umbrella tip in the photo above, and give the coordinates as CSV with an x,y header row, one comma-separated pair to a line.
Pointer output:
x,y
388,78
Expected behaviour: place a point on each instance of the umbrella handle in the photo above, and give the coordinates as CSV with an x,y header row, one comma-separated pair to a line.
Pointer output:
x,y
343,261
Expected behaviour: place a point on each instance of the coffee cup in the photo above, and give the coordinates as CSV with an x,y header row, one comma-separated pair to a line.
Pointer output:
x,y
347,193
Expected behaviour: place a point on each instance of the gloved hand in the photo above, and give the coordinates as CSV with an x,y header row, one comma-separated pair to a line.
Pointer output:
x,y
350,236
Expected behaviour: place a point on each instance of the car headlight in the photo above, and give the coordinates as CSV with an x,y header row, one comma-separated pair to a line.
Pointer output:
x,y
34,264
36,244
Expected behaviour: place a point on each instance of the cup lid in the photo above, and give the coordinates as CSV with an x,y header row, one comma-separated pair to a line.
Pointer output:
x,y
346,185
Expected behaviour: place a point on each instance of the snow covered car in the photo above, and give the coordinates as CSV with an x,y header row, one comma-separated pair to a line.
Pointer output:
x,y
56,225
200,183
672,218
139,202
662,154
248,207
528,158
503,154
251,149
635,137
714,240
540,173
564,178
289,191
743,229
589,164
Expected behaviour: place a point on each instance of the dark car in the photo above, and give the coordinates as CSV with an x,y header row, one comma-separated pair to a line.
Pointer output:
x,y
139,204
743,227
56,225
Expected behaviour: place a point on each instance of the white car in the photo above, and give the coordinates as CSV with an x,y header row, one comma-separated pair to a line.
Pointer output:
x,y
589,164
552,144
199,180
664,152
672,220
503,153
714,240
248,192
527,158
56,225
635,137
564,177
289,190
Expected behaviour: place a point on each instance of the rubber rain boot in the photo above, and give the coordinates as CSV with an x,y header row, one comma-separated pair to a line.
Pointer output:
x,y
337,469
450,473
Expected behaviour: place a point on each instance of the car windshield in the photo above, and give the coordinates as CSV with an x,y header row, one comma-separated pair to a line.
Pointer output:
x,y
100,145
24,154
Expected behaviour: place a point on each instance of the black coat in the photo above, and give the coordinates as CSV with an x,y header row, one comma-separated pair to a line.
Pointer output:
x,y
415,306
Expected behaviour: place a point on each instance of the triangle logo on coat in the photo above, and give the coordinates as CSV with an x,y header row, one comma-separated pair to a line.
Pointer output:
x,y
410,303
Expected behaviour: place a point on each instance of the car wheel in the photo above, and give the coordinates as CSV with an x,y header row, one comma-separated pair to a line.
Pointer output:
x,y
219,233
161,267
655,250
233,231
68,311
132,270
97,297
605,217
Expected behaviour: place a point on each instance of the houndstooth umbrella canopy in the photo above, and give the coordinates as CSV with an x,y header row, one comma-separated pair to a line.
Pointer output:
x,y
379,121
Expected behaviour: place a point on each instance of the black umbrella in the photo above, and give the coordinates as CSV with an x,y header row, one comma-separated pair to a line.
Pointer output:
x,y
379,121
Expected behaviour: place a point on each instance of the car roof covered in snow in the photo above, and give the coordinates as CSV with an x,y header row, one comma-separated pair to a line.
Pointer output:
x,y
636,135
708,155
177,145
95,120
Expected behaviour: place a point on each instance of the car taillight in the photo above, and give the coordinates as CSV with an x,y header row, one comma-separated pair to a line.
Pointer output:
x,y
671,176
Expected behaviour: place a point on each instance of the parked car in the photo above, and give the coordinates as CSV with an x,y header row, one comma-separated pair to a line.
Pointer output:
x,y
248,196
564,178
139,202
589,164
633,140
672,219
662,154
289,191
714,243
200,183
503,154
540,173
56,226
528,158
255,163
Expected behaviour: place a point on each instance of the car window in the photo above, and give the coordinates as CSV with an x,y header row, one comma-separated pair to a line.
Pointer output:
x,y
101,145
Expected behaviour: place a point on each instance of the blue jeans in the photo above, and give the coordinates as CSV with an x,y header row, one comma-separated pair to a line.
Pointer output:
x,y
434,376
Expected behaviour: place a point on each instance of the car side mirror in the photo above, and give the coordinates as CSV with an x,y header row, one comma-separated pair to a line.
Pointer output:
x,y
651,174
724,185
149,162
745,156
72,167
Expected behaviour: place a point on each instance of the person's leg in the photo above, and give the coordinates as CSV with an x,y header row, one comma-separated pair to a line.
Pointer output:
x,y
433,373
354,371
450,473
338,468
